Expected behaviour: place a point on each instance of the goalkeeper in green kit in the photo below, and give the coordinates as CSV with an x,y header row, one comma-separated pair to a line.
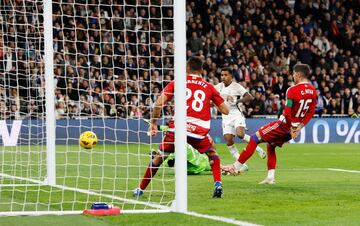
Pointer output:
x,y
196,162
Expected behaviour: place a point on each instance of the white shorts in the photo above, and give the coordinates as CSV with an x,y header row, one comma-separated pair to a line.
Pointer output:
x,y
230,124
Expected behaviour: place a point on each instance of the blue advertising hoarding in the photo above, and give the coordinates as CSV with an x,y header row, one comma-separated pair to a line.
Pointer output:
x,y
319,130
121,131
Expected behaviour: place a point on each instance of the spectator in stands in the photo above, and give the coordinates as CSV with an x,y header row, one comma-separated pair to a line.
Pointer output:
x,y
225,8
334,107
98,63
194,43
327,100
32,110
3,110
319,109
322,43
258,104
14,112
280,87
60,110
348,102
357,112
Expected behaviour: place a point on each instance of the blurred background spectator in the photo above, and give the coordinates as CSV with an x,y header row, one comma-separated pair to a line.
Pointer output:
x,y
113,60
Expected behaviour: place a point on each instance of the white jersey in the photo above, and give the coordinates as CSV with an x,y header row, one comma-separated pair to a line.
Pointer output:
x,y
235,90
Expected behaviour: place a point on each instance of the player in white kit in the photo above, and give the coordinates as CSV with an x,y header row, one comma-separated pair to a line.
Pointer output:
x,y
234,123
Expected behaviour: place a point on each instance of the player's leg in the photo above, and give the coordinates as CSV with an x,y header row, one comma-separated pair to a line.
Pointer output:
x,y
271,164
239,166
214,160
240,132
229,139
166,146
229,134
149,174
206,145
250,148
265,133
275,137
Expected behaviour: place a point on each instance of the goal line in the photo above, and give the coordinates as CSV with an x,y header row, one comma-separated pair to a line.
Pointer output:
x,y
157,208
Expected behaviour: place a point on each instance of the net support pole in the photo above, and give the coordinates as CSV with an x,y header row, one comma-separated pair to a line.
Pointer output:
x,y
180,106
49,94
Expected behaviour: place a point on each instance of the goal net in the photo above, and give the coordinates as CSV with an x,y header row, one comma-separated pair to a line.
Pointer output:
x,y
111,59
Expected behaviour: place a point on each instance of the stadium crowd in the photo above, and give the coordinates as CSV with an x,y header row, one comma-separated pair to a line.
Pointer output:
x,y
113,59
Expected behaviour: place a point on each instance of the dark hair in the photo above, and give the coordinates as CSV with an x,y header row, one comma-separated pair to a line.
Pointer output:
x,y
303,69
195,64
228,69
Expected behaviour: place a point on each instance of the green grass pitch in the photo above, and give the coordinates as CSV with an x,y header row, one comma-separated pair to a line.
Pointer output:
x,y
306,193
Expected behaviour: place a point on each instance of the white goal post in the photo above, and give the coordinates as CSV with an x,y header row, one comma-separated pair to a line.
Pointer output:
x,y
50,95
68,66
180,102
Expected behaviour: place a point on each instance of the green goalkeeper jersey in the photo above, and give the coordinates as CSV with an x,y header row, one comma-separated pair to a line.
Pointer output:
x,y
196,162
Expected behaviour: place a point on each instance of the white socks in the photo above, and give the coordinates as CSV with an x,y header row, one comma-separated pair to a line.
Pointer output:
x,y
237,165
234,151
246,138
258,149
271,173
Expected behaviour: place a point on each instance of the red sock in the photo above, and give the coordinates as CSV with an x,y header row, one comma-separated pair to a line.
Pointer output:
x,y
271,162
149,173
248,151
215,167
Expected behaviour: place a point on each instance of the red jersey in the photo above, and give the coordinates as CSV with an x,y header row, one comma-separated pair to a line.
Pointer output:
x,y
199,94
300,104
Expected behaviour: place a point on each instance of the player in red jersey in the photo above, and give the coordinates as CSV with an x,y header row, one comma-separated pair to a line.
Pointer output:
x,y
298,110
199,93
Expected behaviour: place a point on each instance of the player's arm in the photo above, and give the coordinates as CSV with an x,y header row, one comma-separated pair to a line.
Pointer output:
x,y
219,101
294,131
288,107
287,111
247,97
165,95
223,108
158,105
309,114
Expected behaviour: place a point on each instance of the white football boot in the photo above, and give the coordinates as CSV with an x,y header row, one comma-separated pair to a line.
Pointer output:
x,y
234,169
268,180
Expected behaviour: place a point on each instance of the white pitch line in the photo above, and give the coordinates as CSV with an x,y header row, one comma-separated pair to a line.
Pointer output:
x,y
344,170
20,178
20,185
222,219
70,212
38,213
162,209
89,192
291,169
157,206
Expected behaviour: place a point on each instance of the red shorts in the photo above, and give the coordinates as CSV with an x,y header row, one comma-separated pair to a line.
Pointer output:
x,y
201,145
275,133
